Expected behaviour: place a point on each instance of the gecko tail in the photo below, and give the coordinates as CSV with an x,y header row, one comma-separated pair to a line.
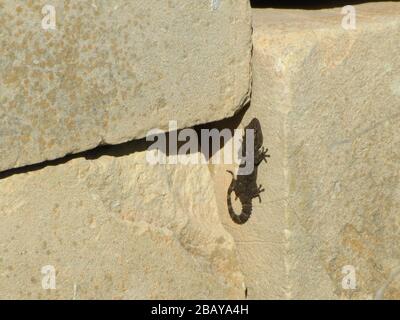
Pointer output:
x,y
246,209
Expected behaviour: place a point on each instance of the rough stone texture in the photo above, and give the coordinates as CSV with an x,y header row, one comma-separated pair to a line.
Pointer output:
x,y
329,103
112,63
115,227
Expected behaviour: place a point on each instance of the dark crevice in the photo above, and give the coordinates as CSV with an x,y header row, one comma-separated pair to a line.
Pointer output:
x,y
306,4
130,147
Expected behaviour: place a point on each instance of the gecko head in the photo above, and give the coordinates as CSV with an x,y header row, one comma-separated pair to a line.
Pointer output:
x,y
256,126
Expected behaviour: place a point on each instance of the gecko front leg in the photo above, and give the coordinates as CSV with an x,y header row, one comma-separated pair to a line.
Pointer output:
x,y
262,155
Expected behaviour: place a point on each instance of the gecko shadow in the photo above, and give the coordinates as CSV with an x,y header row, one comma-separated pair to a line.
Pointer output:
x,y
244,186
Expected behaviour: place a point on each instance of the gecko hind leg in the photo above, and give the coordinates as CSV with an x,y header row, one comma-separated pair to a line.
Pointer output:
x,y
259,190
233,175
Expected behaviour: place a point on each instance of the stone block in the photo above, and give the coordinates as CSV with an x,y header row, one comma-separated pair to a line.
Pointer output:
x,y
328,99
111,226
78,74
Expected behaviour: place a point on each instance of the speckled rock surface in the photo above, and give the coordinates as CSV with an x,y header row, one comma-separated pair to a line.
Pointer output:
x,y
114,227
329,104
114,69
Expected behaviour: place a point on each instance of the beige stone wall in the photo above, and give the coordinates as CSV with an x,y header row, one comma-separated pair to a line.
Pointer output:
x,y
110,225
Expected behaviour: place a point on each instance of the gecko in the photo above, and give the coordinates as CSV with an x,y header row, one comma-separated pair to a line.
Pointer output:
x,y
245,186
